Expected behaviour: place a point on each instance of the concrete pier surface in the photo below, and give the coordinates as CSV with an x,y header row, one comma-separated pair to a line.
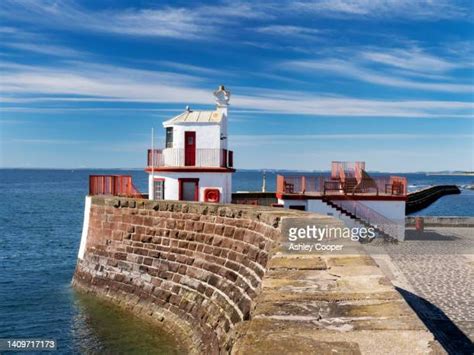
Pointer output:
x,y
434,272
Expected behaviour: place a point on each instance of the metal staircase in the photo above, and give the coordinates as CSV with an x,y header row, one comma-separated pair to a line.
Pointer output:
x,y
364,215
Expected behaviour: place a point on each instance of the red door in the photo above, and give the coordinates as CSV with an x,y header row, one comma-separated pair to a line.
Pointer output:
x,y
188,189
189,148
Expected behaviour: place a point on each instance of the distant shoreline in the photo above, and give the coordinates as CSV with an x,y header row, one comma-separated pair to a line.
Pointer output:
x,y
267,170
451,174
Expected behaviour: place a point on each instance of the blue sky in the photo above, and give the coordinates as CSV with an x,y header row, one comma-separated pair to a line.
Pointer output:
x,y
388,82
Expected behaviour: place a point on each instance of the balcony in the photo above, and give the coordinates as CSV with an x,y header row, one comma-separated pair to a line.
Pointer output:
x,y
202,158
326,185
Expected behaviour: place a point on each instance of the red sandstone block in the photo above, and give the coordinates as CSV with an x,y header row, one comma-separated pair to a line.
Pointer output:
x,y
252,254
117,235
180,224
209,228
153,253
148,221
229,231
239,233
198,226
262,258
147,261
120,256
173,267
140,251
219,229
155,282
176,215
182,269
170,223
189,225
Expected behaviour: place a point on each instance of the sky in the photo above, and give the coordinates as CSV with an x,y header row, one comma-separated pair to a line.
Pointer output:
x,y
389,82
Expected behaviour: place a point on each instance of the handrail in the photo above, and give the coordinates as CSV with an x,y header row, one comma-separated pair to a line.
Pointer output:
x,y
203,157
369,215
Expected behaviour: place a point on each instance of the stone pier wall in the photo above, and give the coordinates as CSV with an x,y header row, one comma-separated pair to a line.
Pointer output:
x,y
217,277
198,266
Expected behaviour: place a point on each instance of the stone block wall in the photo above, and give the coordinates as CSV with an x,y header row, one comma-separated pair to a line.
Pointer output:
x,y
196,267
218,277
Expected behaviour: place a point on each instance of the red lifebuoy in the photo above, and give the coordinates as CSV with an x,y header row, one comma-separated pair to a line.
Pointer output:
x,y
212,195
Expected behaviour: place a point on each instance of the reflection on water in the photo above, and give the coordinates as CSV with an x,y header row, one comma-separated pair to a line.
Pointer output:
x,y
101,327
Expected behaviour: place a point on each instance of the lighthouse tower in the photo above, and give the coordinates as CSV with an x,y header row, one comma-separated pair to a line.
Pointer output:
x,y
195,164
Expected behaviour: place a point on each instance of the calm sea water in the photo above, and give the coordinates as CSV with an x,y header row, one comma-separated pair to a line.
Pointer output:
x,y
41,214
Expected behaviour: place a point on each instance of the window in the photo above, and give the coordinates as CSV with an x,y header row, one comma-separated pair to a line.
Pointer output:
x,y
159,189
298,207
169,137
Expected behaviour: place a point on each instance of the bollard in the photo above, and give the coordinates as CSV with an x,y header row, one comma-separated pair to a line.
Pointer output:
x,y
419,224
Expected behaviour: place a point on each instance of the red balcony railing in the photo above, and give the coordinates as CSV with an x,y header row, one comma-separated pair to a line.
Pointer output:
x,y
175,157
387,185
300,184
115,185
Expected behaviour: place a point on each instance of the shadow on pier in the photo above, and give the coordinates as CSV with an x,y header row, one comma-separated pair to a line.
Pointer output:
x,y
451,338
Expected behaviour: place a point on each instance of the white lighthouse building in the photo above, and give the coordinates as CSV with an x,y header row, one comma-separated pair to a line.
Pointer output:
x,y
195,164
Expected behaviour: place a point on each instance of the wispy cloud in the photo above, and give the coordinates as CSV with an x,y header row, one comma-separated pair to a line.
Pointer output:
x,y
190,22
80,81
354,70
413,9
290,31
254,140
25,41
412,59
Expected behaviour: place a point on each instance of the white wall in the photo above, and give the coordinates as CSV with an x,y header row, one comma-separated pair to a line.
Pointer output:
x,y
221,181
208,135
394,210
85,228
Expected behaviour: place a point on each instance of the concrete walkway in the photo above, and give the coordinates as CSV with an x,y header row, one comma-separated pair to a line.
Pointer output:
x,y
434,272
327,304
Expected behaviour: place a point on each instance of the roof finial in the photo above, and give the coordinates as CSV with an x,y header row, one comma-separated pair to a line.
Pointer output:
x,y
222,96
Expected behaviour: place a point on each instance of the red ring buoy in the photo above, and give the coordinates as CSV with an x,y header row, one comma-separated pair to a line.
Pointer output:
x,y
212,195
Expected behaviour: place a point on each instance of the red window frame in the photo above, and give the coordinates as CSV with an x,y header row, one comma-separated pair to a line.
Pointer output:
x,y
153,187
196,189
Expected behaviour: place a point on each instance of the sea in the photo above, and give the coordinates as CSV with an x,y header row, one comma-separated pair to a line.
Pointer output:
x,y
41,215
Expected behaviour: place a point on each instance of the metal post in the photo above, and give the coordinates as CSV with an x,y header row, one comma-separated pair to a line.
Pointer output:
x,y
152,190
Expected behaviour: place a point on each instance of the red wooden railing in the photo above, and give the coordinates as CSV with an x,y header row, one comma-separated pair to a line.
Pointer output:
x,y
115,185
342,169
